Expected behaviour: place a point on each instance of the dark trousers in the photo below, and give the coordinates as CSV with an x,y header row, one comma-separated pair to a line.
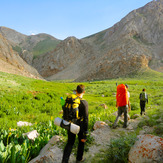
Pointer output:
x,y
142,106
69,146
122,109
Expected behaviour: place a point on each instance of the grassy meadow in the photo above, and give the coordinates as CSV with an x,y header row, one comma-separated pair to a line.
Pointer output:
x,y
38,102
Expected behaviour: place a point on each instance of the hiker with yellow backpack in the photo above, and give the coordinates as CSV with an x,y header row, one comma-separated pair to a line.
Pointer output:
x,y
143,100
123,104
75,111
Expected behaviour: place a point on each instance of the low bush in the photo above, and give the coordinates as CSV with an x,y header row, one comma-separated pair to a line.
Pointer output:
x,y
119,148
135,106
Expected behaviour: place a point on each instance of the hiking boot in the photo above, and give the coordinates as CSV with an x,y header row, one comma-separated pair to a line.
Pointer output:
x,y
83,159
125,126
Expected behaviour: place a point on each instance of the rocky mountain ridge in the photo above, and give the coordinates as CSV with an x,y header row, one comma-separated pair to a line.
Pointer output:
x,y
133,44
11,62
26,45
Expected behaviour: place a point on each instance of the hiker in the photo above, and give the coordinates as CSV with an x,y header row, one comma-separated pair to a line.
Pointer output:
x,y
143,100
123,104
83,123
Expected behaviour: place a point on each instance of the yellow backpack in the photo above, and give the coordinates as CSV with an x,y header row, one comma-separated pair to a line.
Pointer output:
x,y
71,108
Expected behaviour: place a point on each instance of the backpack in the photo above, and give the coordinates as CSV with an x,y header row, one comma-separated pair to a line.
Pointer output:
x,y
143,96
71,108
122,95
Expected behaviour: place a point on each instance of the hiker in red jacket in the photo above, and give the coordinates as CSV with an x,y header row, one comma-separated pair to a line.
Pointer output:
x,y
123,104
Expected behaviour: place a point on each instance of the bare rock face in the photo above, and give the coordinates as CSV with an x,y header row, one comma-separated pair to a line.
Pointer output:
x,y
12,36
133,44
148,148
68,57
26,45
11,62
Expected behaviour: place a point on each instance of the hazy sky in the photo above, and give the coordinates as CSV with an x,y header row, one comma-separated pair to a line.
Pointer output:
x,y
64,18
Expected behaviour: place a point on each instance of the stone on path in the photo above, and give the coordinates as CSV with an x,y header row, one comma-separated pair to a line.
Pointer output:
x,y
99,124
148,148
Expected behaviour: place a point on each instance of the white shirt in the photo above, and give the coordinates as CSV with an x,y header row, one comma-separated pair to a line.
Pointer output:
x,y
128,94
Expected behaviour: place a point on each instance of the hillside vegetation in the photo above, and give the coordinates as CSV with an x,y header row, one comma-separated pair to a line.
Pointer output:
x,y
38,102
44,46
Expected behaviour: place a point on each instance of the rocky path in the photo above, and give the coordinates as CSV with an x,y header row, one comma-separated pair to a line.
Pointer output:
x,y
102,137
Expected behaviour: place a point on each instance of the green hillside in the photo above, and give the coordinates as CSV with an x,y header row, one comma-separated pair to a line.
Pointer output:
x,y
41,47
44,46
38,102
147,74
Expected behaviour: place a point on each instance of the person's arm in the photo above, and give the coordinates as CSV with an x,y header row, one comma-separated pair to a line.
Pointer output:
x,y
129,106
116,104
147,99
85,120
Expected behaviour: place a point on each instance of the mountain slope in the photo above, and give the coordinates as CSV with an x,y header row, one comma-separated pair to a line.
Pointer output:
x,y
11,62
130,46
29,47
67,61
133,44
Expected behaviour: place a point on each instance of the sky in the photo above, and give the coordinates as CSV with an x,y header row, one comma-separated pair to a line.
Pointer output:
x,y
64,18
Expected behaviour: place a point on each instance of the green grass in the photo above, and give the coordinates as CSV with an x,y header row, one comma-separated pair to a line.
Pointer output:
x,y
29,99
38,102
147,74
17,49
44,46
41,47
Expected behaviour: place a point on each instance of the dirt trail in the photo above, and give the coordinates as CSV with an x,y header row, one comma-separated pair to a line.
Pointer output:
x,y
102,137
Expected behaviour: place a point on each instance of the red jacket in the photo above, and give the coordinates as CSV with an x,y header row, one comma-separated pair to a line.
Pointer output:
x,y
122,96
